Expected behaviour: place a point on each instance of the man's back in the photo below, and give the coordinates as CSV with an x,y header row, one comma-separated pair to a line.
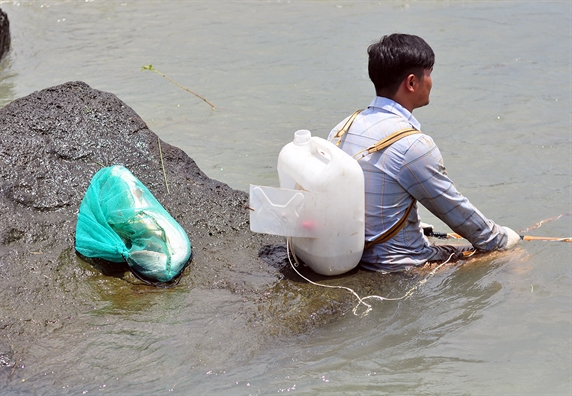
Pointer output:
x,y
410,169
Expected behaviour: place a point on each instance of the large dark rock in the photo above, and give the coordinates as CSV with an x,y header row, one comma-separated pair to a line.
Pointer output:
x,y
51,143
4,33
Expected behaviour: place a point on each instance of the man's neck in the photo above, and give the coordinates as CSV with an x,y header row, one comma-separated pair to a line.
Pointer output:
x,y
402,99
398,99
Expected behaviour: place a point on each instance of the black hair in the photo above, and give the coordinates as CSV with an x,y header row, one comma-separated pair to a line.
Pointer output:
x,y
394,57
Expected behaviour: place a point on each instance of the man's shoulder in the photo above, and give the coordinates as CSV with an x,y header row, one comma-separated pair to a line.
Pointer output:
x,y
419,147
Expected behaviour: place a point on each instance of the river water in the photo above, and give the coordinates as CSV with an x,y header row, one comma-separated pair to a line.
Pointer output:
x,y
500,112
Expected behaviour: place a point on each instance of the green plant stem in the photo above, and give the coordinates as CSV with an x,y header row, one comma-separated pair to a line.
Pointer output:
x,y
163,165
150,67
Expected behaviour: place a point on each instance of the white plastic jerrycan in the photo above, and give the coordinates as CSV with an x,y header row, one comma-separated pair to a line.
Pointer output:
x,y
320,203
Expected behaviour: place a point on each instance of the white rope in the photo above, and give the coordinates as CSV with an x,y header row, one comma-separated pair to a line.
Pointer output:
x,y
360,299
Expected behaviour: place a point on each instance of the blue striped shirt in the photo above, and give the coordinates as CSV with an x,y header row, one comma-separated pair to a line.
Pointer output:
x,y
411,168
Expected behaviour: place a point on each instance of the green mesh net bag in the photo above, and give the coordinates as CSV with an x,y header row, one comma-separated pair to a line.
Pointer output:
x,y
119,220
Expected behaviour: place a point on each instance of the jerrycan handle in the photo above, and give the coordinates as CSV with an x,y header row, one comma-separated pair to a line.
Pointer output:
x,y
318,147
320,150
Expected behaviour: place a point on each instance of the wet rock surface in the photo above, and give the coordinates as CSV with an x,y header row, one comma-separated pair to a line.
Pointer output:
x,y
51,143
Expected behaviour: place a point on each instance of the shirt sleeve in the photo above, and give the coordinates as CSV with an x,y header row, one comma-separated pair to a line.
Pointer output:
x,y
424,176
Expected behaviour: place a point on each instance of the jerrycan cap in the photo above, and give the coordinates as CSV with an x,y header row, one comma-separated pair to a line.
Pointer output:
x,y
302,137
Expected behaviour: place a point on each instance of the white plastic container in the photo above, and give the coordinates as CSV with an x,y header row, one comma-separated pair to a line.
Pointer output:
x,y
282,211
333,204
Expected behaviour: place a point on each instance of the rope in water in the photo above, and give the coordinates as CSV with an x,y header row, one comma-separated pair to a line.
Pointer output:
x,y
361,299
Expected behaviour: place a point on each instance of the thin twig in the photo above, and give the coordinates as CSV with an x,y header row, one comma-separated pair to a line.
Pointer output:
x,y
16,365
541,222
150,67
163,165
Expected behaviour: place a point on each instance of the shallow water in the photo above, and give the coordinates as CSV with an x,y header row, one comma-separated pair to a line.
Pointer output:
x,y
500,114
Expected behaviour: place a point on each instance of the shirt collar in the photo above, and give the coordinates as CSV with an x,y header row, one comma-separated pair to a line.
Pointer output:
x,y
393,107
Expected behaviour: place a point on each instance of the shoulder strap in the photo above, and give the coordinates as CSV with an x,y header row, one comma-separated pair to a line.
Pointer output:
x,y
383,143
386,142
386,236
345,127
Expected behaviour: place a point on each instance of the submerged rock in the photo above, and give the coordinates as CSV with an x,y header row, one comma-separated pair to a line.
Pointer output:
x,y
5,37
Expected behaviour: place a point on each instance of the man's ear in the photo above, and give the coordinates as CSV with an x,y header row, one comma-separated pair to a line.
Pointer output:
x,y
410,82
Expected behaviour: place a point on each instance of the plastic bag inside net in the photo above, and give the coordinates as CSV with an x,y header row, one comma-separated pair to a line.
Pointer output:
x,y
120,220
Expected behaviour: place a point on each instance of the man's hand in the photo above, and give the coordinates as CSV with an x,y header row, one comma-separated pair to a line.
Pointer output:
x,y
513,239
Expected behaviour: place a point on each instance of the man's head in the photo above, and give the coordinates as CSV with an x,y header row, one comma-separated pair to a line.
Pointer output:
x,y
398,57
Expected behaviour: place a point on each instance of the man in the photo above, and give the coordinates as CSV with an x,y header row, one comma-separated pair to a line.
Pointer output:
x,y
411,169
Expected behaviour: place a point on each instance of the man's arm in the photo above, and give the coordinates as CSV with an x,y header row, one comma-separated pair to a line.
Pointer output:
x,y
424,176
